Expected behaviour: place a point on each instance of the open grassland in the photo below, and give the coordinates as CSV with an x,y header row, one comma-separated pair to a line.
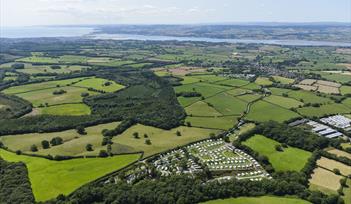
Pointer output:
x,y
284,102
69,59
189,80
249,97
332,164
347,102
39,86
238,91
209,78
252,86
323,110
263,81
201,109
279,91
340,153
325,181
205,89
74,143
41,69
258,200
226,104
51,178
291,159
308,97
99,84
234,82
161,140
345,90
347,192
283,80
263,111
41,97
223,123
186,101
66,109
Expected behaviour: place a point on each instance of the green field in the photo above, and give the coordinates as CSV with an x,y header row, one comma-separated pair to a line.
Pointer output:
x,y
36,69
51,178
227,104
263,111
99,84
38,97
324,110
345,90
263,81
278,91
291,159
223,123
161,140
39,86
201,109
283,80
258,200
74,144
347,192
251,86
66,109
284,102
209,78
204,88
249,97
347,102
234,82
308,97
189,80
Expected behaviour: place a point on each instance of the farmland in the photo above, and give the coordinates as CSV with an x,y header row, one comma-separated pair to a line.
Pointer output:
x,y
262,111
73,173
193,112
289,159
73,143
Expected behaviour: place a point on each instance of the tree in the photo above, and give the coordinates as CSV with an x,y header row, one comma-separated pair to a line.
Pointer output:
x,y
178,133
89,147
56,141
45,144
34,148
212,135
84,94
136,135
336,171
148,141
103,153
279,148
81,130
146,136
188,124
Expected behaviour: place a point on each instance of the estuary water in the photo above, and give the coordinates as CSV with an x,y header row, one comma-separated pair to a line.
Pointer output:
x,y
90,32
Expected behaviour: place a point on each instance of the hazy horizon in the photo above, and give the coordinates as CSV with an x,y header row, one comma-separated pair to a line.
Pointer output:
x,y
16,13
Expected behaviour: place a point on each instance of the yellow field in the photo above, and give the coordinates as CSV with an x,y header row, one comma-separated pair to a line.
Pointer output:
x,y
331,164
340,153
325,181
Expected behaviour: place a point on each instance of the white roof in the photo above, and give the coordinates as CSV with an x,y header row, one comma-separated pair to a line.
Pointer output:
x,y
337,134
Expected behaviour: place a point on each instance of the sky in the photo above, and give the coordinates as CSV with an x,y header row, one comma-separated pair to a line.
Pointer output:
x,y
74,12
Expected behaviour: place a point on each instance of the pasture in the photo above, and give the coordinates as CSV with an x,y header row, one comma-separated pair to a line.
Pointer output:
x,y
263,81
283,80
345,90
234,82
291,159
39,86
258,200
201,108
340,153
43,96
66,109
73,145
347,192
323,110
262,111
223,123
205,89
100,84
47,183
161,140
227,104
284,102
324,181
